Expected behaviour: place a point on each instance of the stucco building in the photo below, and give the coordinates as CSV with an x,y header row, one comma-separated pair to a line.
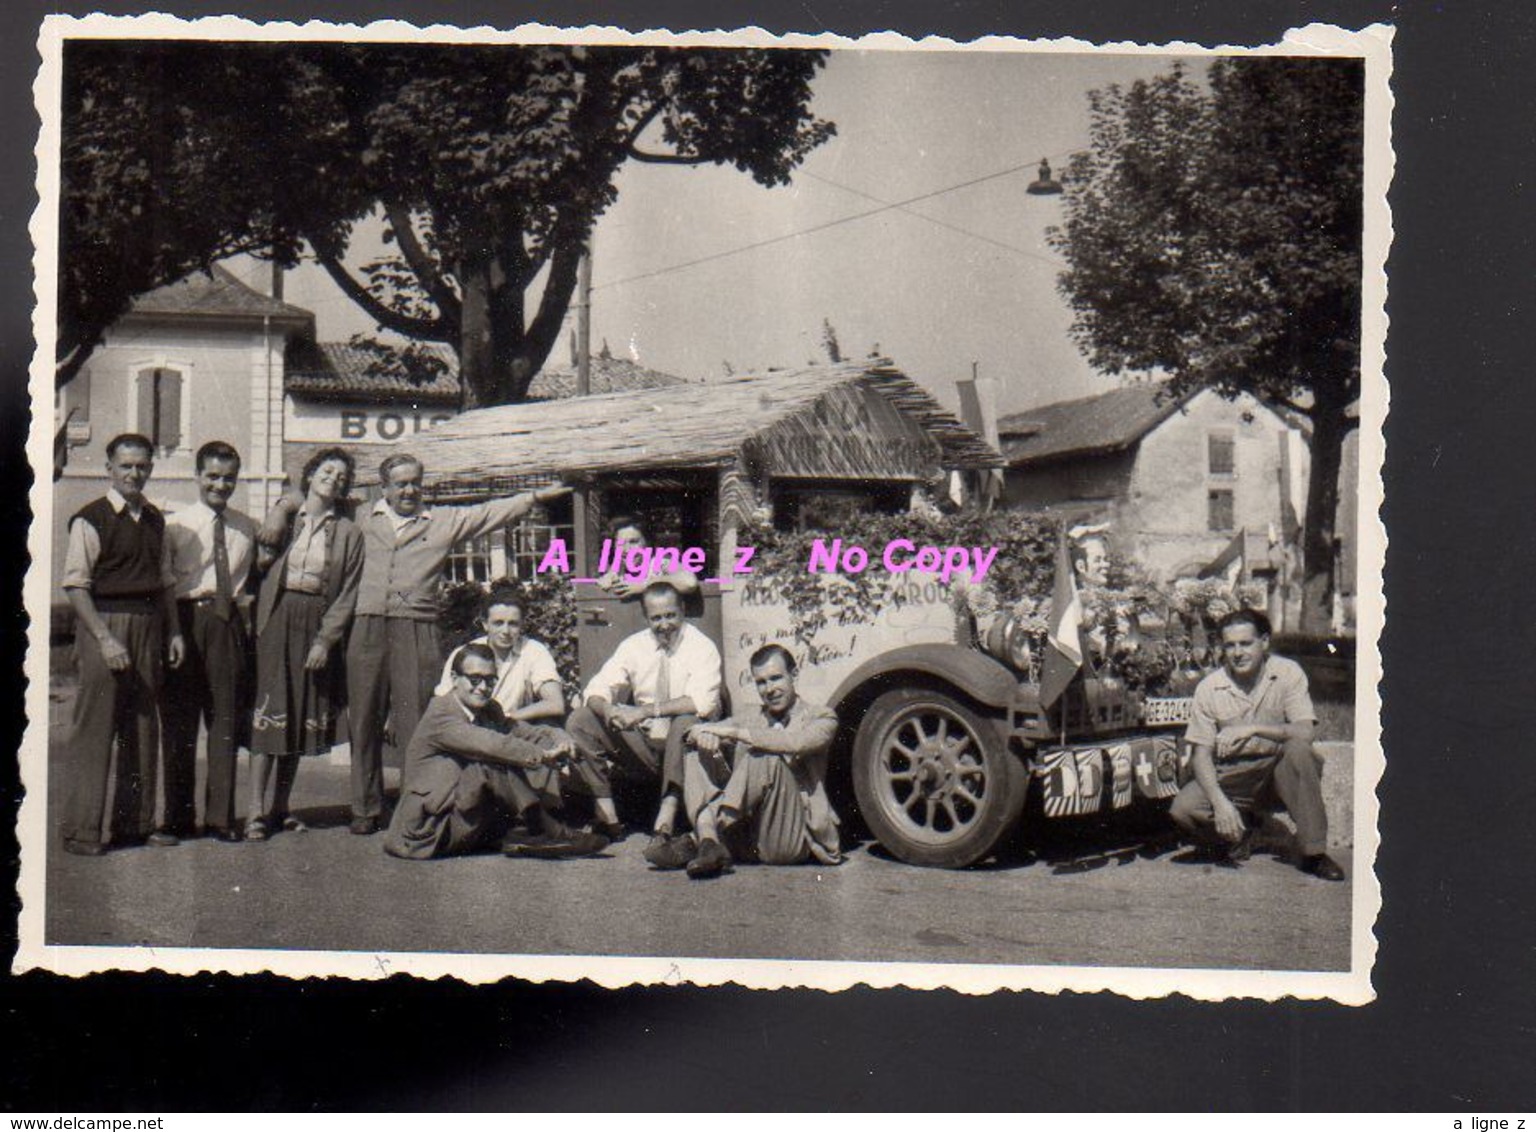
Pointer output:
x,y
210,358
1179,480
200,359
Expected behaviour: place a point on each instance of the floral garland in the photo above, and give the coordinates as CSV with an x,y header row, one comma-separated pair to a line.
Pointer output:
x,y
1025,558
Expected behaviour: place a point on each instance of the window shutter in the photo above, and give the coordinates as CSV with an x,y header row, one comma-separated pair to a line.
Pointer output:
x,y
146,396
168,423
1222,515
1223,461
77,398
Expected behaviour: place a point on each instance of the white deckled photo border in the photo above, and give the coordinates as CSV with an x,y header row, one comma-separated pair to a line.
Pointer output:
x,y
1352,986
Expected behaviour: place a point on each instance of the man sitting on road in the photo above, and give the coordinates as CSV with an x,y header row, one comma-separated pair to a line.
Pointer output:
x,y
528,689
527,682
772,806
658,683
464,783
1251,730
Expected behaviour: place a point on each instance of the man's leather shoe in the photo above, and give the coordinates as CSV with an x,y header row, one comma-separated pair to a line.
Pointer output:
x,y
84,848
711,860
1242,849
1322,866
218,833
364,826
554,845
667,852
162,839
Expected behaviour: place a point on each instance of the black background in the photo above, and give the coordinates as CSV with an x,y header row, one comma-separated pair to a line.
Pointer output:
x,y
1454,1028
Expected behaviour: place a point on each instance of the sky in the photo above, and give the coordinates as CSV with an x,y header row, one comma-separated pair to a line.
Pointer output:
x,y
963,277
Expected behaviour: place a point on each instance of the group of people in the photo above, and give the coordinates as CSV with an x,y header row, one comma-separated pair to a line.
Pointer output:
x,y
266,634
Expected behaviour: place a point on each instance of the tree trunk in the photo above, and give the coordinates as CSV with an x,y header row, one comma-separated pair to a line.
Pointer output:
x,y
477,384
498,354
1329,427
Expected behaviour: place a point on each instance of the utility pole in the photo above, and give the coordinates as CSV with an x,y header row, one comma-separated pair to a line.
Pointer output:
x,y
584,321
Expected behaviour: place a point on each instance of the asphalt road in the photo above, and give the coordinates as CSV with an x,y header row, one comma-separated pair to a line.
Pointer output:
x,y
1105,895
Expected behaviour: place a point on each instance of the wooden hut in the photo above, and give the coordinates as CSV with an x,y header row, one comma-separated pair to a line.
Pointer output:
x,y
697,460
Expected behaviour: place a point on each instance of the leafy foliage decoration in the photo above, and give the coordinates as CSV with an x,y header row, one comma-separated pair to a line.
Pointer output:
x,y
1024,563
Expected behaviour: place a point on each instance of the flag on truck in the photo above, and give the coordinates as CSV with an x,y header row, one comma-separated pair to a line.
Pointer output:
x,y
1064,640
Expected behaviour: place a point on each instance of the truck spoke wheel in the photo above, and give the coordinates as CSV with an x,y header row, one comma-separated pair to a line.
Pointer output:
x,y
934,779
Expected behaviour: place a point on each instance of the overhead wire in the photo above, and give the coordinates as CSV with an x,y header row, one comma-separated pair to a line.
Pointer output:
x,y
940,223
888,206
883,206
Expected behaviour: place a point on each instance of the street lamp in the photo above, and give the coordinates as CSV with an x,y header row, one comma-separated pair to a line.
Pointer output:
x,y
1044,185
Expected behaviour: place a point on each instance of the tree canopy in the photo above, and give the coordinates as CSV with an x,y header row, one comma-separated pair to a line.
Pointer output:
x,y
488,165
1213,231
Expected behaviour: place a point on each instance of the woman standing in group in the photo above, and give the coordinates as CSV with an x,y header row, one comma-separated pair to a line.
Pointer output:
x,y
302,616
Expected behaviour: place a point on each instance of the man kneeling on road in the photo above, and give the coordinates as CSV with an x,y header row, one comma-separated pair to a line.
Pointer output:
x,y
464,785
755,785
1251,730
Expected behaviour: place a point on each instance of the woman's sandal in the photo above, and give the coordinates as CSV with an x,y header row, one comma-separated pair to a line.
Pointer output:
x,y
292,824
255,830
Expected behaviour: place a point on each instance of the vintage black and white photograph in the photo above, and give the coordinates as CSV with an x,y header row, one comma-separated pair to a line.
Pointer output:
x,y
707,508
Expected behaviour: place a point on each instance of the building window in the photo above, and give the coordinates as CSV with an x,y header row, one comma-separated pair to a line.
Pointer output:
x,y
74,408
471,560
159,396
1220,511
1222,448
515,552
528,542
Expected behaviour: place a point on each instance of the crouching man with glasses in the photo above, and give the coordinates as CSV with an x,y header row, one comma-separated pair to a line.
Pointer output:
x,y
465,788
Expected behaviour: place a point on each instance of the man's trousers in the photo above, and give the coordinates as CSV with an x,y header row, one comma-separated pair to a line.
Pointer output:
x,y
209,686
120,706
633,750
1294,777
761,814
393,663
476,814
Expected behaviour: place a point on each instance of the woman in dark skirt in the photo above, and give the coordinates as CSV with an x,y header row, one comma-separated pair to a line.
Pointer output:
x,y
302,616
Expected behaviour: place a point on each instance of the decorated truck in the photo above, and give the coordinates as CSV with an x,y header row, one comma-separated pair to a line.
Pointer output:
x,y
945,730
802,499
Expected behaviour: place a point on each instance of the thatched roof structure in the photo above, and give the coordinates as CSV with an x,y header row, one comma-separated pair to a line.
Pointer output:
x,y
677,427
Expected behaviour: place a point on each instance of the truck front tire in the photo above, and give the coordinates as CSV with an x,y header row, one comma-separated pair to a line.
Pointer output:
x,y
934,779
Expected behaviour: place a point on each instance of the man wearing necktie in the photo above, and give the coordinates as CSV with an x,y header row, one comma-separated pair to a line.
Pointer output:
x,y
126,637
210,547
657,684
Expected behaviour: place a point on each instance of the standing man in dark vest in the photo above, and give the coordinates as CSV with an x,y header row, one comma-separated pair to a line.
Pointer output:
x,y
117,582
211,548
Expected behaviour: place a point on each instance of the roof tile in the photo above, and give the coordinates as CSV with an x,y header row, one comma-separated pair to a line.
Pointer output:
x,y
217,294
1104,423
339,371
